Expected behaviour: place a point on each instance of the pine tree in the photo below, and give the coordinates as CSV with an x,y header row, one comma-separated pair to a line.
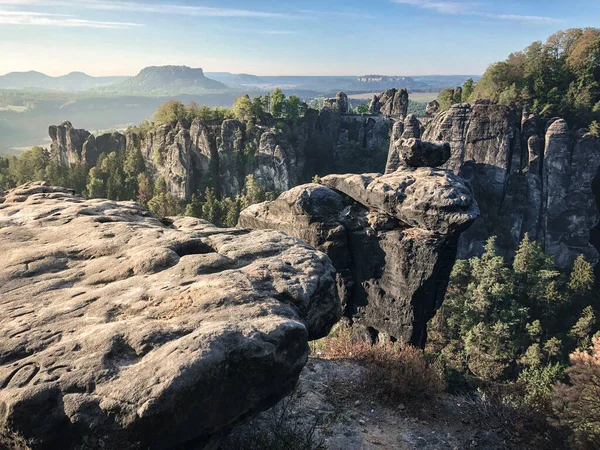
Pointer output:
x,y
582,277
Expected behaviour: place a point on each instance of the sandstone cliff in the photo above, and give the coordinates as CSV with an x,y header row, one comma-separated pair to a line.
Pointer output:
x,y
223,153
528,175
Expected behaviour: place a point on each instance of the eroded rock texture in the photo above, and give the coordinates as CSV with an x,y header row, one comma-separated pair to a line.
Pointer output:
x,y
392,239
528,175
119,332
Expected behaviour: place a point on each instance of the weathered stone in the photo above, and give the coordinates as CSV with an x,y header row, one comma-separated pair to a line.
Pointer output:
x,y
431,199
417,153
340,102
412,127
277,166
432,108
393,102
393,247
119,332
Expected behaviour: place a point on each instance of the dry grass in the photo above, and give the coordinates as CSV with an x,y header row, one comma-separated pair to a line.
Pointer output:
x,y
396,373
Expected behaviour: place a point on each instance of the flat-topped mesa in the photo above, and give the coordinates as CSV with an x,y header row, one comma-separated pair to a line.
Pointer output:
x,y
118,331
393,243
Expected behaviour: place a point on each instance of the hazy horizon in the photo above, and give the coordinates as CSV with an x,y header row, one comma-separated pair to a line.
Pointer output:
x,y
209,71
283,38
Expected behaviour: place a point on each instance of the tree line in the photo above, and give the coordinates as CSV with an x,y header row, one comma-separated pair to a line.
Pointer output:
x,y
556,78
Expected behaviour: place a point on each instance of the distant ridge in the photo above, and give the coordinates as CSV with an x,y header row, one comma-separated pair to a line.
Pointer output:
x,y
170,79
72,82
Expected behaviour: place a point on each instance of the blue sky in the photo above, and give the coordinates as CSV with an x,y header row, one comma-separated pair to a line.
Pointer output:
x,y
278,37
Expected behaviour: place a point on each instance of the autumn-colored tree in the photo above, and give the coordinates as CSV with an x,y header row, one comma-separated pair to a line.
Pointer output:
x,y
577,403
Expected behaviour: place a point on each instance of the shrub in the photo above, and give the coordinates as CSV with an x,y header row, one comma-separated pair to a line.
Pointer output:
x,y
577,404
396,373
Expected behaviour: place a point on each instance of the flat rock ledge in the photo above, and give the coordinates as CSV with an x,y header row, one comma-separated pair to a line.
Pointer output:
x,y
120,332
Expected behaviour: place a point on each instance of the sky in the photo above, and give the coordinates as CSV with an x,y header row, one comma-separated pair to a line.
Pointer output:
x,y
278,37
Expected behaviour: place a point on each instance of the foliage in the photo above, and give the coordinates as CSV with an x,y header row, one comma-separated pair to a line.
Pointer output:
x,y
560,77
446,99
577,403
504,322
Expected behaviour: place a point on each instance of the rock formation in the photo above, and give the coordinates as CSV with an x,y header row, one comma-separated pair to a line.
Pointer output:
x,y
393,102
340,102
71,146
121,332
416,153
393,243
222,153
432,108
528,176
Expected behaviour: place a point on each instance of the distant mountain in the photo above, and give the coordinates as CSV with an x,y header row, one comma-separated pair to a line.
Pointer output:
x,y
235,79
167,80
72,82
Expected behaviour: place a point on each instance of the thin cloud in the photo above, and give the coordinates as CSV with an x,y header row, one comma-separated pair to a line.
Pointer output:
x,y
57,20
471,9
277,32
160,8
320,14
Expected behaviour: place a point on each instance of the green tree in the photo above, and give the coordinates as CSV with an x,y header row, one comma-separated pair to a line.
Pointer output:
x,y
242,108
95,187
582,277
211,208
468,89
170,112
446,99
145,191
277,102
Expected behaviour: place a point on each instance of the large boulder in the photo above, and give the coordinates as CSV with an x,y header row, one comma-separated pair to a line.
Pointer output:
x,y
416,153
391,238
120,332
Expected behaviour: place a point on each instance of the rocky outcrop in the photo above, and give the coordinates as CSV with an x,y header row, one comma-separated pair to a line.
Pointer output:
x,y
393,102
68,144
393,243
118,331
412,127
340,102
277,168
529,176
432,108
221,154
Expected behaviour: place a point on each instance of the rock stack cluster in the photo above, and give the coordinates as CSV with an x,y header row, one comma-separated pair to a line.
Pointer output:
x,y
529,176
